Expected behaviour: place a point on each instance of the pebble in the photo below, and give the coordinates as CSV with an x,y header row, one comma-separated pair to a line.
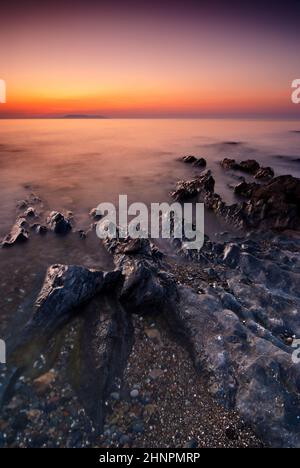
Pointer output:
x,y
134,393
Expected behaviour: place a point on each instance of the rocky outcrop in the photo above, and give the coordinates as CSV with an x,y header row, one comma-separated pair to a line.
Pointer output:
x,y
264,173
274,205
197,162
65,290
240,330
19,233
58,223
147,286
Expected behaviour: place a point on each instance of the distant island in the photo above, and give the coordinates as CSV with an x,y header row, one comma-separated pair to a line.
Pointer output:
x,y
83,116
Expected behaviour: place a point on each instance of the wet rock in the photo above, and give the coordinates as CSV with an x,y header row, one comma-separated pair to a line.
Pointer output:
x,y
19,233
100,355
250,166
245,189
39,228
65,289
229,164
43,383
30,212
22,204
189,159
58,223
146,284
134,393
200,162
190,189
264,173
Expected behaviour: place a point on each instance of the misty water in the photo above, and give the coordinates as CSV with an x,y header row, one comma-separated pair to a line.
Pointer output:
x,y
76,164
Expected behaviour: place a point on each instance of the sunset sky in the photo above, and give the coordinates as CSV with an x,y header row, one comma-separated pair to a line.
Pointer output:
x,y
142,59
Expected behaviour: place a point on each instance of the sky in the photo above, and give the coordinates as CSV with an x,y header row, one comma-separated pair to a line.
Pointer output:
x,y
149,59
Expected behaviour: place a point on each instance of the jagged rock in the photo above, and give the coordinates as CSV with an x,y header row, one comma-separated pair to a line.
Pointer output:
x,y
58,223
146,285
250,166
39,228
200,162
191,188
229,164
189,159
30,212
19,233
65,289
100,354
245,189
264,173
274,205
22,204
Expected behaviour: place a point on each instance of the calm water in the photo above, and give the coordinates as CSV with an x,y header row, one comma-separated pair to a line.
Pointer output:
x,y
76,164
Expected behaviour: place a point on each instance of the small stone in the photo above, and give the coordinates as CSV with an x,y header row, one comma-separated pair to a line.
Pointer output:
x,y
134,393
115,396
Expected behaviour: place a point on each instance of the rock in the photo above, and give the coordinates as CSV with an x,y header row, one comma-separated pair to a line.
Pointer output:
x,y
19,233
146,284
138,428
134,393
30,212
115,396
245,189
250,166
42,383
229,164
264,173
231,433
189,159
22,204
100,355
95,214
200,162
82,234
190,189
65,289
39,228
58,223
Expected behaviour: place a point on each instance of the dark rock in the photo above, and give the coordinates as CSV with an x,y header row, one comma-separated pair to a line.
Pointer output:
x,y
30,212
189,159
201,162
58,223
39,228
191,188
229,164
65,289
19,233
245,189
146,284
264,173
250,166
100,355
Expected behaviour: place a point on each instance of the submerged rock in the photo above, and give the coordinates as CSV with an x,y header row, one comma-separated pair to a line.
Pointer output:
x,y
250,165
201,162
65,289
264,173
18,233
58,223
189,159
